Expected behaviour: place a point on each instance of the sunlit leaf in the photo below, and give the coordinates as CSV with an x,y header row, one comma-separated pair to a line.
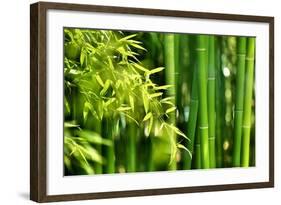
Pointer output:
x,y
124,108
70,124
137,46
131,99
111,100
147,116
171,109
156,70
99,80
145,102
150,124
105,87
166,99
163,87
184,148
176,130
66,104
154,95
87,107
128,37
140,67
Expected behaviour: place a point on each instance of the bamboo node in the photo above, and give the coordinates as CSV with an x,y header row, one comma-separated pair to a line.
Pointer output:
x,y
250,59
200,49
203,127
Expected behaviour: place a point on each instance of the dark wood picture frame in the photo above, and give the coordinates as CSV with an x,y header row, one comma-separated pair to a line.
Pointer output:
x,y
38,101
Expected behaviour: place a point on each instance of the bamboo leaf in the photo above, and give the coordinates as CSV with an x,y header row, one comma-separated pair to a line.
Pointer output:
x,y
91,137
87,107
180,146
176,130
110,63
111,100
131,99
164,87
173,147
140,67
124,109
145,102
105,87
171,109
131,118
154,95
147,116
83,156
99,80
166,99
128,37
168,102
100,109
70,125
66,104
137,46
156,70
82,57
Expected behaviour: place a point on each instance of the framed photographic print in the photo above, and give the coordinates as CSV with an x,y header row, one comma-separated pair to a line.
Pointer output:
x,y
134,102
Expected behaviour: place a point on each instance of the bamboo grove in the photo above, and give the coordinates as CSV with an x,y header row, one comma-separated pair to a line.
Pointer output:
x,y
147,101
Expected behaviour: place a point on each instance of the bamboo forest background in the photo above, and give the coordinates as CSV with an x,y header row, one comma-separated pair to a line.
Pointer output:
x,y
147,101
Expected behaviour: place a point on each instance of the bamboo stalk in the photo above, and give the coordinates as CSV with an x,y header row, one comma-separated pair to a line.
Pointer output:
x,y
109,133
192,120
249,81
238,113
219,104
150,164
212,101
202,94
197,158
98,129
170,71
131,147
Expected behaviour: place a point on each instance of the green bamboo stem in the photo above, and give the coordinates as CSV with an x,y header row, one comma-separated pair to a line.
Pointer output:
x,y
192,120
202,94
219,104
98,129
170,72
197,158
212,101
238,113
109,133
249,82
131,147
150,165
